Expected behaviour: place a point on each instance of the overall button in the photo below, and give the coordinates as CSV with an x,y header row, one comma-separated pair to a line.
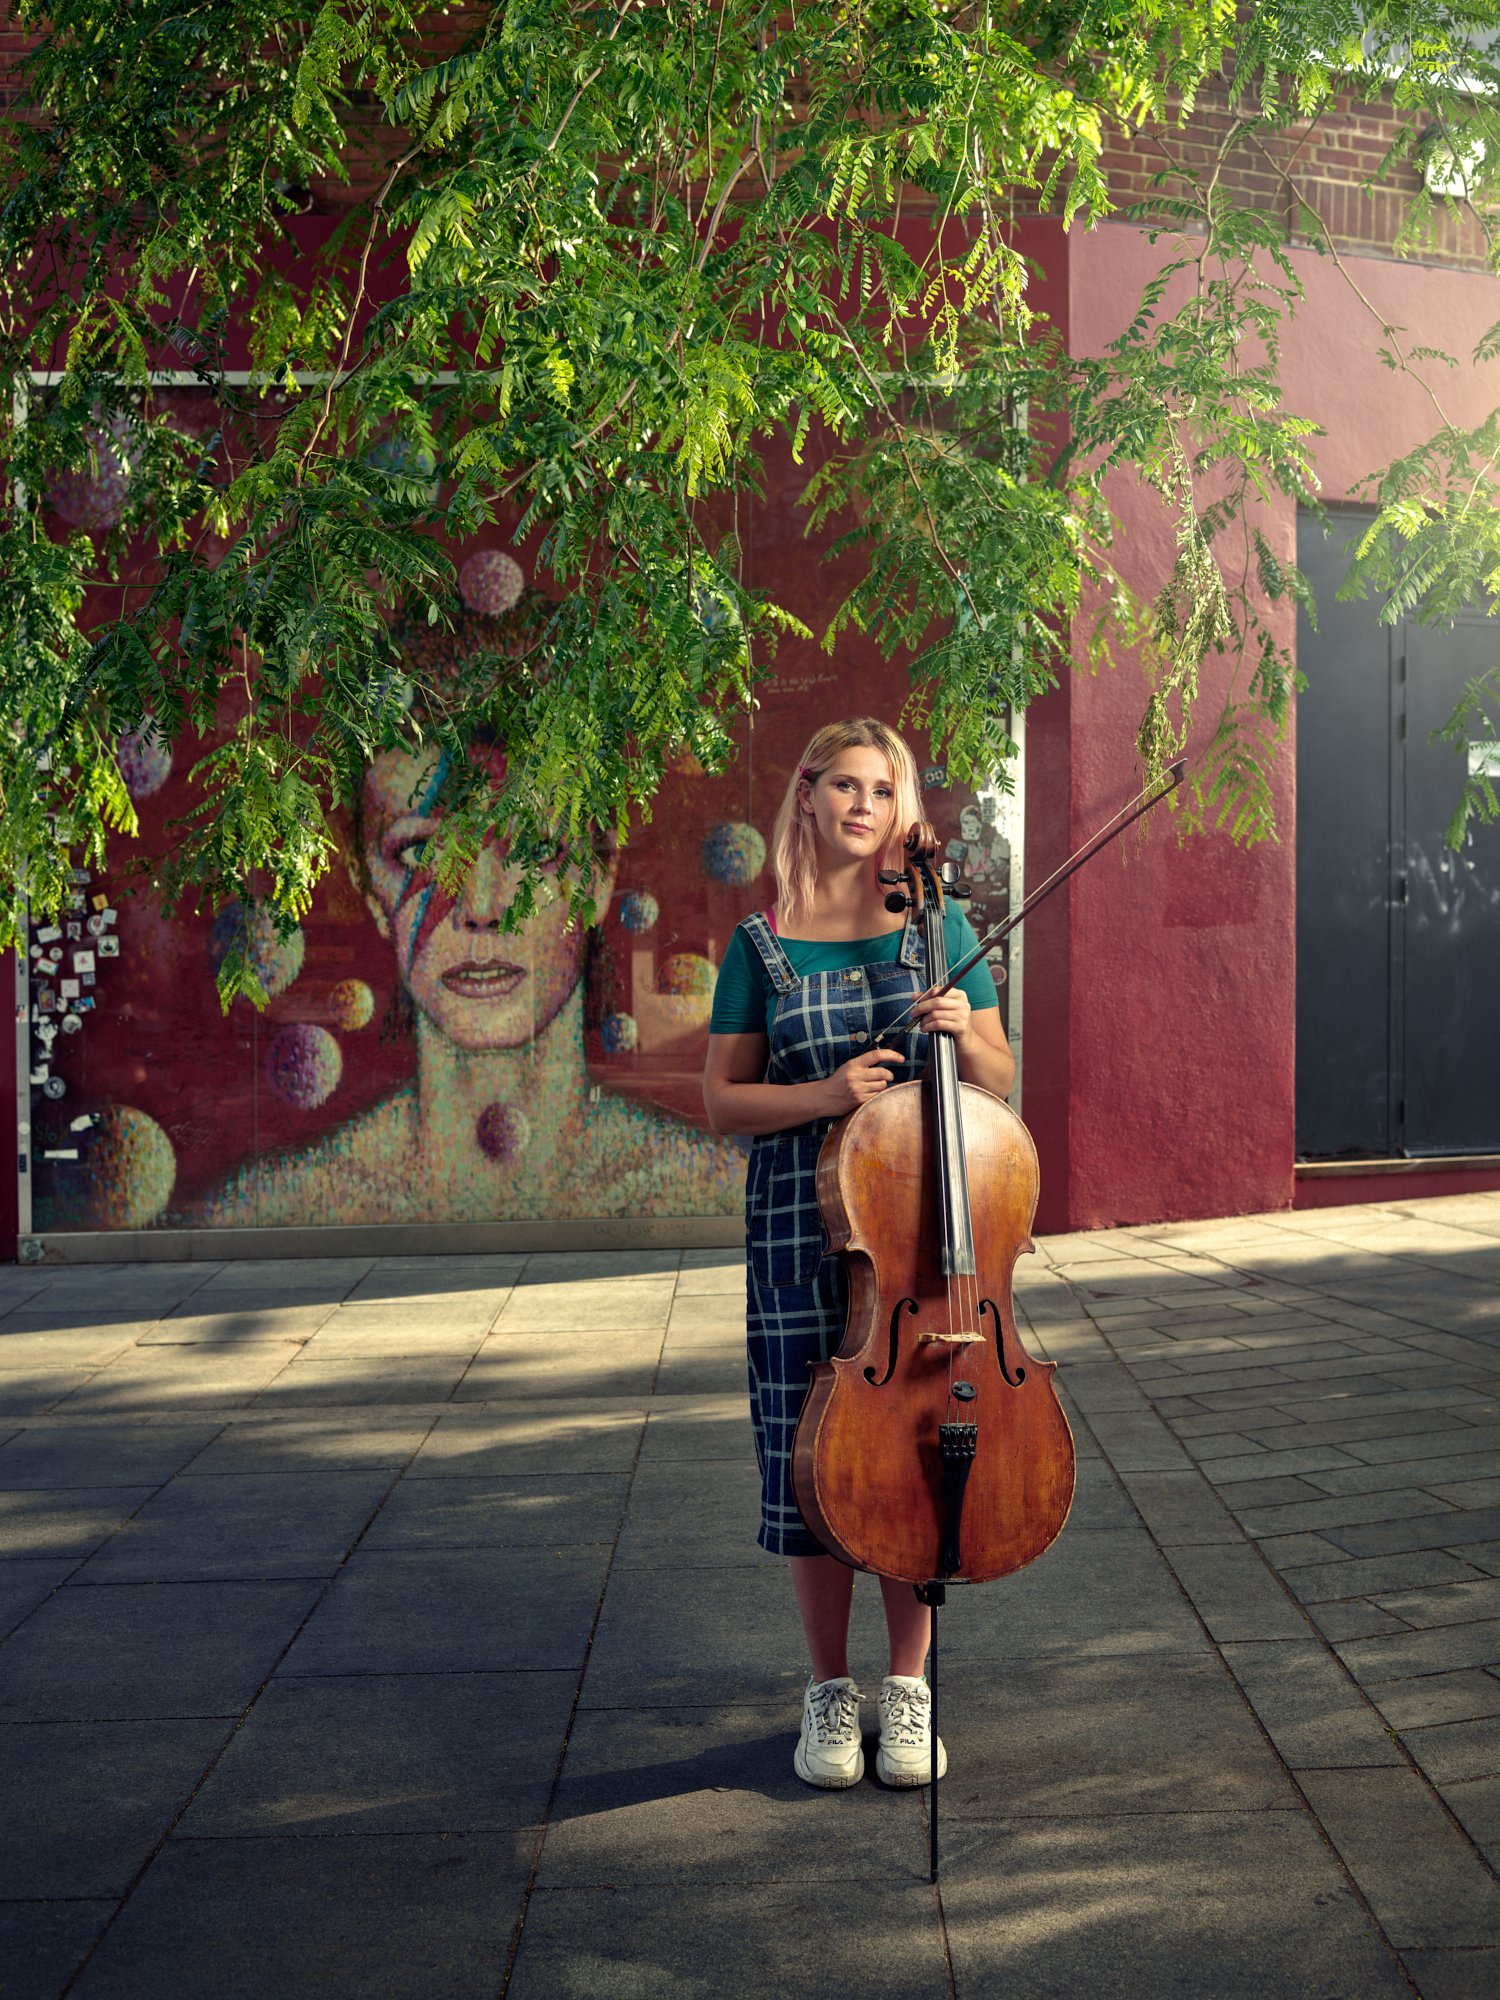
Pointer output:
x,y
856,975
861,1036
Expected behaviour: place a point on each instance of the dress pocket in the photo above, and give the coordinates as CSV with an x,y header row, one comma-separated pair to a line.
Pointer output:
x,y
784,1230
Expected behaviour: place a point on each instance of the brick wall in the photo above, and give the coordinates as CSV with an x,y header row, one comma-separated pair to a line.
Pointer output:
x,y
1331,166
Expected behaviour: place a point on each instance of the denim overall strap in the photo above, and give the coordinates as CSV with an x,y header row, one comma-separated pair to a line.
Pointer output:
x,y
773,958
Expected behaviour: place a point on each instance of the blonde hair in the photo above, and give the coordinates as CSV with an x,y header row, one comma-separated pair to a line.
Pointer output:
x,y
793,849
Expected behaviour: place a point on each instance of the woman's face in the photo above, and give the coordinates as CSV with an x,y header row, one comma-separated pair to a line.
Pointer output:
x,y
853,803
481,987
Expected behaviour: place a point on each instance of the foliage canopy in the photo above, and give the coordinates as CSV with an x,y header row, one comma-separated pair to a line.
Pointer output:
x,y
611,253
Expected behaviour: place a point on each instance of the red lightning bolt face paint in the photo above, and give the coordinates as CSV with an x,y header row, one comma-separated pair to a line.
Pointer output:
x,y
470,981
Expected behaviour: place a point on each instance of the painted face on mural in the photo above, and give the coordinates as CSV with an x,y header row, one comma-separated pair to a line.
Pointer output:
x,y
480,986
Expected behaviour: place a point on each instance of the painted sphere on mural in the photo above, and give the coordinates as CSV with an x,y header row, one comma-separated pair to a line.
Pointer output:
x,y
490,582
351,1004
93,496
145,762
733,854
275,960
399,458
503,1132
639,912
303,1065
128,1170
619,1034
686,982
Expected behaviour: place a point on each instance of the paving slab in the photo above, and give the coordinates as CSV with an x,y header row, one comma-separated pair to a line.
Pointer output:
x,y
180,1378
24,1584
87,1802
1181,1508
698,1793
533,1365
305,1382
390,1753
691,1512
1460,1696
43,1943
242,1524
1422,1878
1235,1592
71,1522
573,1435
408,1917
454,1611
698,1427
35,1340
308,1444
33,1391
1456,1753
100,1455
1308,1706
190,1326
1456,1974
534,1510
138,1650
698,1943
1102,1594
1166,1903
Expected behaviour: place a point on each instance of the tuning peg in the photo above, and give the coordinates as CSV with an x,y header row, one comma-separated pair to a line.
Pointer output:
x,y
959,891
897,901
888,878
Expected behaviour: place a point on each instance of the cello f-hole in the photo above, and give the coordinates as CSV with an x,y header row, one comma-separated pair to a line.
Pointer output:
x,y
1015,1381
902,1305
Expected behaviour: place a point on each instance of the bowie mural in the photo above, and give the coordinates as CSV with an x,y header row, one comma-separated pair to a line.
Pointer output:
x,y
416,1063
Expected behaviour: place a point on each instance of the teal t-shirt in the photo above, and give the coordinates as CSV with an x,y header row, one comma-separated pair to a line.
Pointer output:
x,y
745,999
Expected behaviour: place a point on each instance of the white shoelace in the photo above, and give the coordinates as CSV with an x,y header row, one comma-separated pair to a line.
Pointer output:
x,y
833,1711
905,1717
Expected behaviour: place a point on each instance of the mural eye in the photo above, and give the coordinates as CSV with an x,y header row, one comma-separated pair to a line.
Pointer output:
x,y
410,853
538,852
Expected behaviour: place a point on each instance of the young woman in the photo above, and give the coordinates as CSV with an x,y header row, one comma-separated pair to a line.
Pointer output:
x,y
802,993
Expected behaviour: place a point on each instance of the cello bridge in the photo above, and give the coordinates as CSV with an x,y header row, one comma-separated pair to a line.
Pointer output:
x,y
948,1339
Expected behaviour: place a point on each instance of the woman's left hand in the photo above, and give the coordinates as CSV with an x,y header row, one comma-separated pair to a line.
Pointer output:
x,y
944,1014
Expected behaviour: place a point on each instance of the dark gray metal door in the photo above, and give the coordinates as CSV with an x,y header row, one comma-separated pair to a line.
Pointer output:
x,y
1398,937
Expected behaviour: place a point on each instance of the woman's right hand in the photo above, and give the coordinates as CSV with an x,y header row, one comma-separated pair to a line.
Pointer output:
x,y
860,1079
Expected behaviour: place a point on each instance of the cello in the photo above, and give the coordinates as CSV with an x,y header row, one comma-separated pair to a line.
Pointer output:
x,y
931,1446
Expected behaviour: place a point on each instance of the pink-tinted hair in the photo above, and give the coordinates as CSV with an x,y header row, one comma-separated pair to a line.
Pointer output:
x,y
793,852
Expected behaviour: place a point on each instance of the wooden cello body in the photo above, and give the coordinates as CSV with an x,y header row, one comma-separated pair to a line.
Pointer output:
x,y
932,1447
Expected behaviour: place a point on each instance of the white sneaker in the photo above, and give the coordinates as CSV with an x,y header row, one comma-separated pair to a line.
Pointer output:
x,y
905,1754
829,1752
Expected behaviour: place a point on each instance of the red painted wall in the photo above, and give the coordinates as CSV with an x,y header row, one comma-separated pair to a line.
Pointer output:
x,y
1177,978
8,1112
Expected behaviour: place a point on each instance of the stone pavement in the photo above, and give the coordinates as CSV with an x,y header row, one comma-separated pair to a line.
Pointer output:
x,y
393,1628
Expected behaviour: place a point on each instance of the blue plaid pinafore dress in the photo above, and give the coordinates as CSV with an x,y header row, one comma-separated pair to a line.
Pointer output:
x,y
796,1297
